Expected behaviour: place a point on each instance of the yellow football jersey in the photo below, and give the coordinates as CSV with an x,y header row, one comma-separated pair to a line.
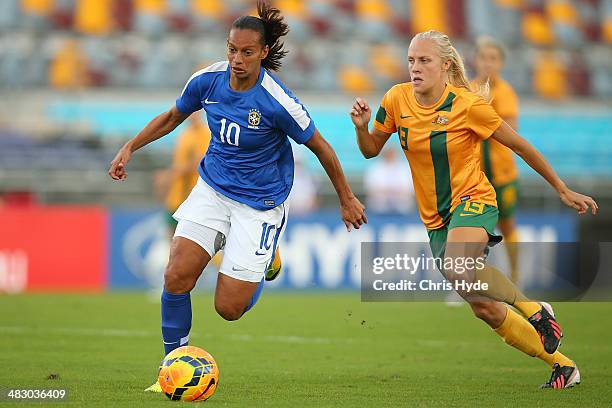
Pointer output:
x,y
191,144
497,159
442,145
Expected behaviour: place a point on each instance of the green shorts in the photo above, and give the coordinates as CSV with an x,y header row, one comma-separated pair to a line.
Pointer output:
x,y
507,196
468,214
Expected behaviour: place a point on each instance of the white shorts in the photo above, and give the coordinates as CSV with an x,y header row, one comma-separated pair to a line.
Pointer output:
x,y
251,236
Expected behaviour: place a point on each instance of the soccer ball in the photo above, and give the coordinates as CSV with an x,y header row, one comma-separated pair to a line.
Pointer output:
x,y
188,373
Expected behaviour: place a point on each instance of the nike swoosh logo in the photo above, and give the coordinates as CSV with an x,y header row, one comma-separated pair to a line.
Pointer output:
x,y
466,215
237,269
172,342
207,102
405,117
258,254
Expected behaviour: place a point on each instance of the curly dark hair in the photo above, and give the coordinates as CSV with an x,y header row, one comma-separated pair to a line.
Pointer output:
x,y
271,26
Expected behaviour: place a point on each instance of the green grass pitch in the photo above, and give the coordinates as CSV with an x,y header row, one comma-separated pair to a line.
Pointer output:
x,y
297,349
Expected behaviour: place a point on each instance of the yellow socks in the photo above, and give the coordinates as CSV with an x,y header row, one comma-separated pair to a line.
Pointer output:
x,y
527,308
503,290
499,286
520,334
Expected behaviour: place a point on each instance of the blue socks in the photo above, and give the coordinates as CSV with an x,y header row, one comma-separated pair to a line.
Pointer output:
x,y
176,319
176,316
256,295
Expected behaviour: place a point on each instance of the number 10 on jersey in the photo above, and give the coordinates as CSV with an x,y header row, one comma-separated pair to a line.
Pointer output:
x,y
230,134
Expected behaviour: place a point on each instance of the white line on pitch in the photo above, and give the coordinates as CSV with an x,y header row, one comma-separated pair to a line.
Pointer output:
x,y
143,333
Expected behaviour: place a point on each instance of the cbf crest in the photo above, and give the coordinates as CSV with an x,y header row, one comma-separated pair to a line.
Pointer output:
x,y
254,119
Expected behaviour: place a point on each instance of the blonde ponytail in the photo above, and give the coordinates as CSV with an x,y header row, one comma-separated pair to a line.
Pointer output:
x,y
456,73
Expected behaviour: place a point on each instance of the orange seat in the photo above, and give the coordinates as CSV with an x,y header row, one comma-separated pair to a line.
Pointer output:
x,y
549,76
537,29
93,17
68,68
429,15
354,79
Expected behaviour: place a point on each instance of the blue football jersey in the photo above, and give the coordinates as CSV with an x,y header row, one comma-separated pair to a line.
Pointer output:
x,y
249,158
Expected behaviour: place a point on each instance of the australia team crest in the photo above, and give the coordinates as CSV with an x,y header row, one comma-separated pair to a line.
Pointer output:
x,y
254,118
440,120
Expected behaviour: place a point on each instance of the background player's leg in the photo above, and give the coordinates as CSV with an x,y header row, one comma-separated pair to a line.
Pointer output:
x,y
507,227
187,260
506,201
233,297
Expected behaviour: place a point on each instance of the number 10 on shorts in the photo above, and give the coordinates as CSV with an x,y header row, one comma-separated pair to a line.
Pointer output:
x,y
267,238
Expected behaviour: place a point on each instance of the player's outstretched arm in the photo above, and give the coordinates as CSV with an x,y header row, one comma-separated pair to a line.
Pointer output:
x,y
160,126
508,137
370,144
353,212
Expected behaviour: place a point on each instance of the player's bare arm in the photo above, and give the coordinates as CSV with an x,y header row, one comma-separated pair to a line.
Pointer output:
x,y
508,137
353,212
157,128
513,122
370,143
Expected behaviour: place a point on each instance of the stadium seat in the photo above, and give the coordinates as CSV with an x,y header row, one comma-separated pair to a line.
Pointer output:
x,y
93,17
209,15
374,19
537,29
10,15
150,17
36,14
68,68
31,29
429,15
607,21
565,22
550,76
